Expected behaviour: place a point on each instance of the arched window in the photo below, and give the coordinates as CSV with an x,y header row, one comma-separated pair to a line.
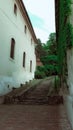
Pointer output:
x,y
15,9
12,48
30,65
24,58
25,29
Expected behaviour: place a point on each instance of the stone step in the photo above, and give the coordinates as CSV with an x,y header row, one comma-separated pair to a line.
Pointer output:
x,y
36,94
55,100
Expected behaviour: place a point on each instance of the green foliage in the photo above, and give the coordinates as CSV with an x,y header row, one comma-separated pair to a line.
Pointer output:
x,y
46,70
49,59
52,38
65,31
51,69
51,45
69,35
39,73
39,49
67,9
56,83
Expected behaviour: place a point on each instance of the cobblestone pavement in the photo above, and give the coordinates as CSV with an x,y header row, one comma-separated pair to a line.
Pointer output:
x,y
33,117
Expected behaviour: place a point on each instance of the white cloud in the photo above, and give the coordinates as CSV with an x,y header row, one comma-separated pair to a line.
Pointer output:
x,y
44,11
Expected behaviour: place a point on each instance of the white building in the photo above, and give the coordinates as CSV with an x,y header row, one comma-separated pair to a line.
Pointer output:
x,y
17,45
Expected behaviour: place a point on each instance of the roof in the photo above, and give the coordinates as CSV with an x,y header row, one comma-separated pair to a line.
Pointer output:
x,y
27,19
38,62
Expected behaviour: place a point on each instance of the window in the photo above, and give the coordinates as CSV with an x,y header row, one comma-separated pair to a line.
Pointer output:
x,y
31,66
12,48
15,9
24,56
31,40
25,29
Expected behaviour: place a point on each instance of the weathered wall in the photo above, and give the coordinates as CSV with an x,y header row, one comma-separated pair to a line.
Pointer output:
x,y
69,97
70,70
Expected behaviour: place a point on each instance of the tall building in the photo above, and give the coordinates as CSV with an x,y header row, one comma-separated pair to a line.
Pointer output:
x,y
17,45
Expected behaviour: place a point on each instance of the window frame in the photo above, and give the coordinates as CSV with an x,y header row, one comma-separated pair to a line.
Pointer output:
x,y
12,49
31,41
30,65
25,29
24,59
15,9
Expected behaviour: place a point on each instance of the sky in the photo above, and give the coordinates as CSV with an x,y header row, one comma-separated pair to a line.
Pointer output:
x,y
42,16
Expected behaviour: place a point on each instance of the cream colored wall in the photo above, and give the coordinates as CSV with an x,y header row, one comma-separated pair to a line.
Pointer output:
x,y
69,108
12,26
70,58
70,70
69,97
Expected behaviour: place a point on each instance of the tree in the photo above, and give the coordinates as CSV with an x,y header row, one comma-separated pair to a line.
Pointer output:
x,y
50,59
48,55
51,44
40,50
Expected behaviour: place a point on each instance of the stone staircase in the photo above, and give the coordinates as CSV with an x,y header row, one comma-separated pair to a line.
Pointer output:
x,y
36,94
17,94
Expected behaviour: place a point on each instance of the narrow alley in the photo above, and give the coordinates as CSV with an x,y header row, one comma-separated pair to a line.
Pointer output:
x,y
36,64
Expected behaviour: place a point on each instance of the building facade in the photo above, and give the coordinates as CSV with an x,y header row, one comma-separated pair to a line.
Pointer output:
x,y
69,99
17,45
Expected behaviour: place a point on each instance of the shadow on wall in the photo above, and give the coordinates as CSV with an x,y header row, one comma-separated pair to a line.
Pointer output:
x,y
8,83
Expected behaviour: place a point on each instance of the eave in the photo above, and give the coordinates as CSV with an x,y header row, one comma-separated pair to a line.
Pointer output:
x,y
26,18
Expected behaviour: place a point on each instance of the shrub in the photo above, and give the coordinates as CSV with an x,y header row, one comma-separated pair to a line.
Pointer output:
x,y
39,74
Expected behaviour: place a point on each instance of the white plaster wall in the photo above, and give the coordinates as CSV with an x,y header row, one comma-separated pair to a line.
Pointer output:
x,y
69,108
70,58
11,26
70,70
69,98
